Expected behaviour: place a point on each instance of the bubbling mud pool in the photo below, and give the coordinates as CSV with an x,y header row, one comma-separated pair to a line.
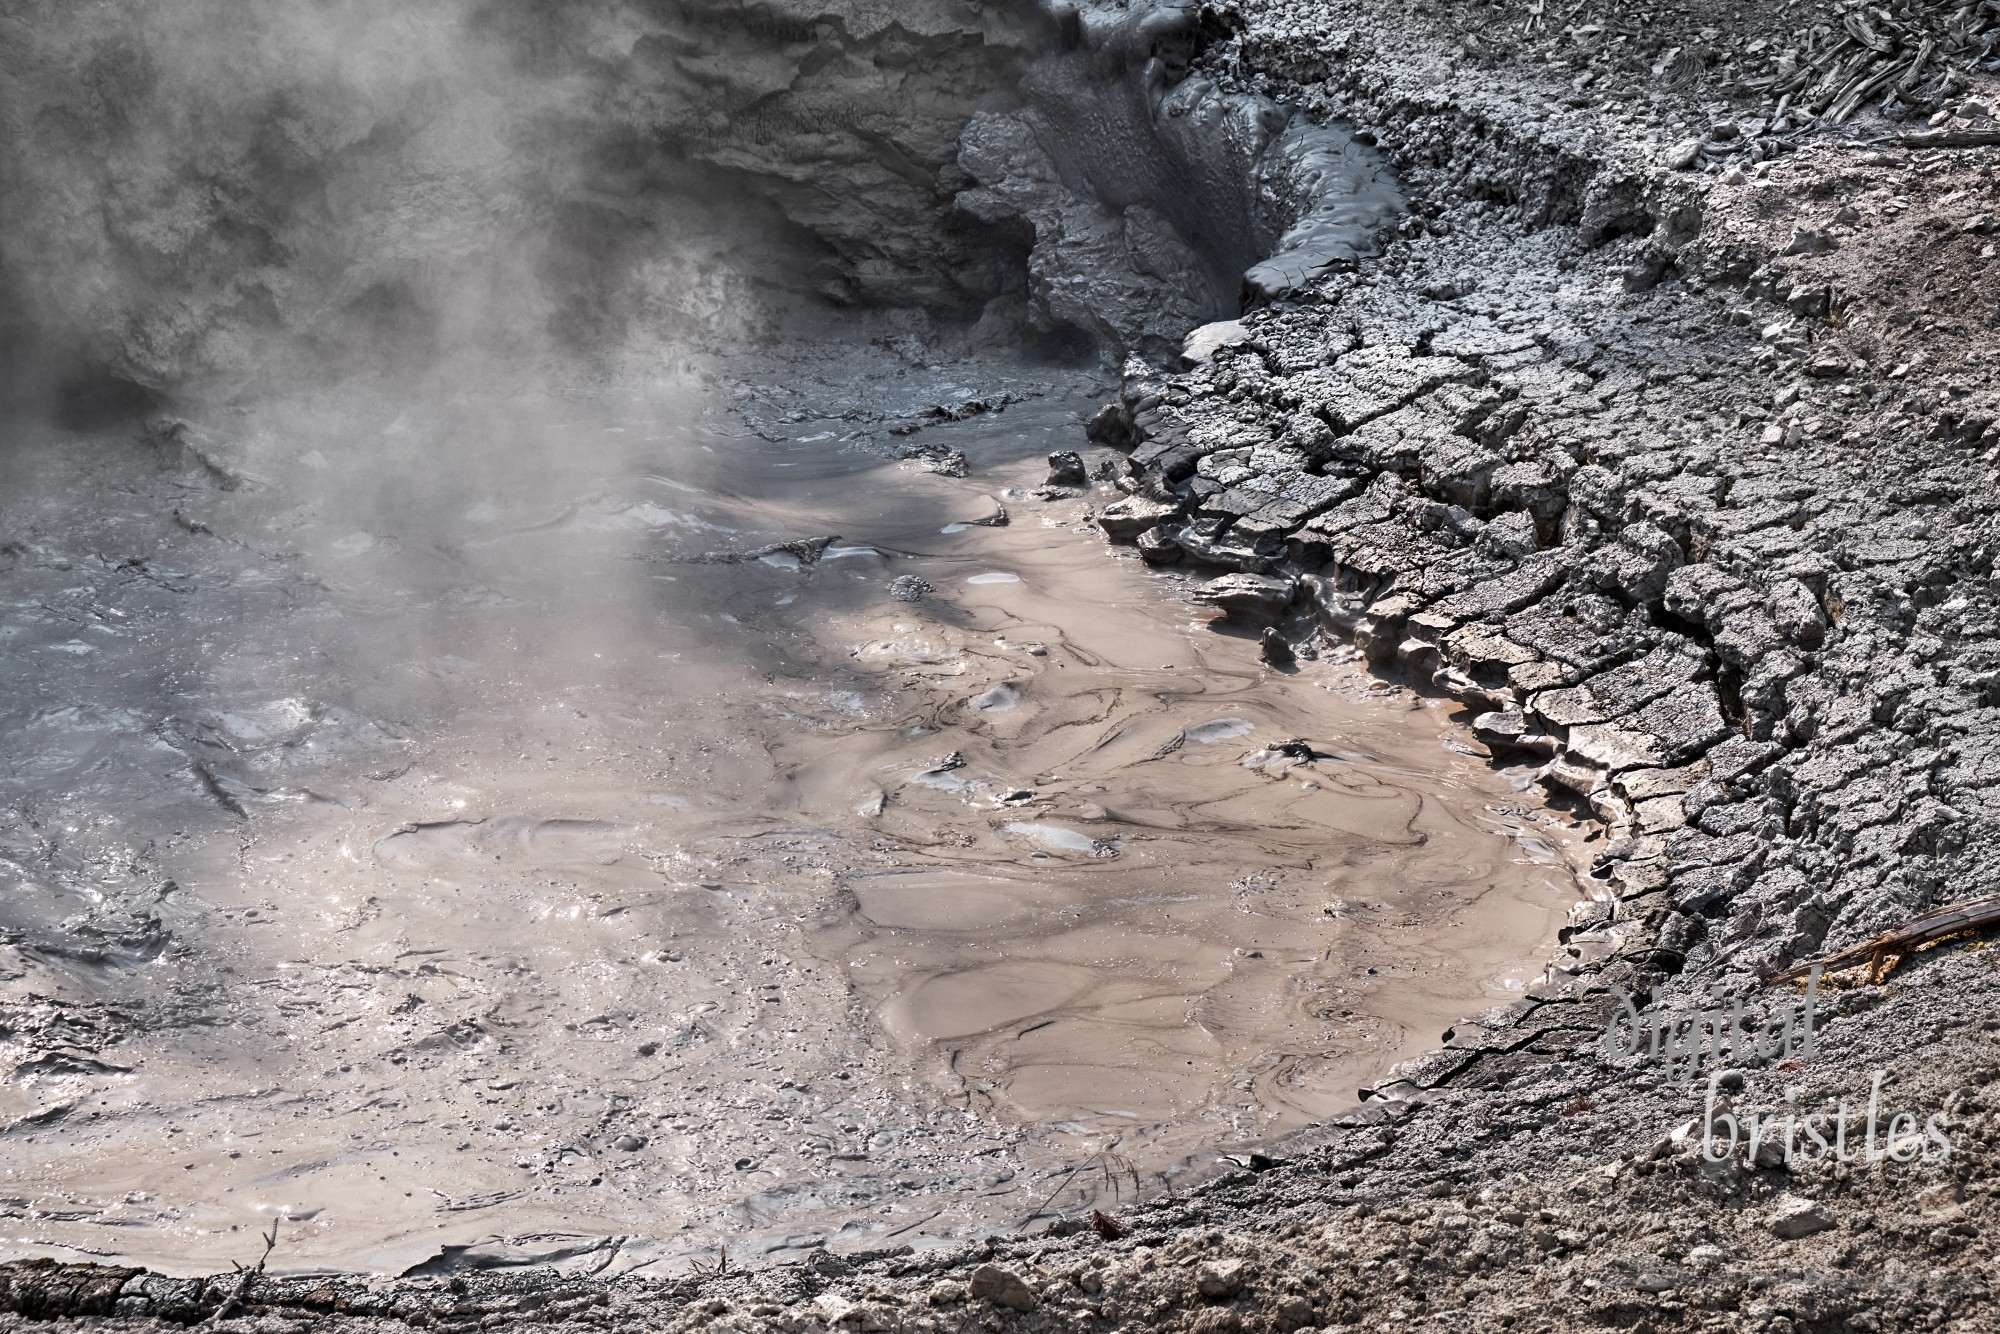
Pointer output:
x,y
573,850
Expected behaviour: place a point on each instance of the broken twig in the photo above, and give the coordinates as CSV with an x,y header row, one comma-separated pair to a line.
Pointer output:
x,y
243,1277
1882,953
1952,139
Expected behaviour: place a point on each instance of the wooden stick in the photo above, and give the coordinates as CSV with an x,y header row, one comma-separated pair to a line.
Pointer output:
x,y
1952,139
1881,953
243,1278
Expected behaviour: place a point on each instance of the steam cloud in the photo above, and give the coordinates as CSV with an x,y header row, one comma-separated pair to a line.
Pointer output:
x,y
201,196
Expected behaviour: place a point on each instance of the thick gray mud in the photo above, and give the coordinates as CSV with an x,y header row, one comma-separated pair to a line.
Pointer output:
x,y
574,849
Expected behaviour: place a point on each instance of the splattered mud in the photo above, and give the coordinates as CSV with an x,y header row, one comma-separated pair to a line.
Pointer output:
x,y
644,834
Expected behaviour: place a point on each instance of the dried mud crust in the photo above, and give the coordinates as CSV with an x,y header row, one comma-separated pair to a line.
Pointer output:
x,y
1678,469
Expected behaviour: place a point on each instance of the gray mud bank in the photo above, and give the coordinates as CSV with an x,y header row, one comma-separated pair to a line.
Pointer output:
x,y
1660,435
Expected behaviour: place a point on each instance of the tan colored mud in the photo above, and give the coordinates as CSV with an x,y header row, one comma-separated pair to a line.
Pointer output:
x,y
584,891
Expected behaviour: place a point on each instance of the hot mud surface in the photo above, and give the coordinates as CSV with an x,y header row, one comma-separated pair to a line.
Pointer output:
x,y
680,824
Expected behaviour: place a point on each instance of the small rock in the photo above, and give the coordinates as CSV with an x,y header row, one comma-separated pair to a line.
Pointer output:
x,y
1248,595
1796,613
1683,155
940,459
832,1308
1511,535
629,1143
1644,273
1125,519
1275,649
1296,1312
1943,1198
1110,427
909,588
1807,300
1203,545
1795,1217
1209,339
1066,469
1219,1279
946,1293
1502,728
1806,241
1157,547
1003,1287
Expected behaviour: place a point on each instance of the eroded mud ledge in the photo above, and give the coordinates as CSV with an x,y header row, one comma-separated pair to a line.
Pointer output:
x,y
1663,396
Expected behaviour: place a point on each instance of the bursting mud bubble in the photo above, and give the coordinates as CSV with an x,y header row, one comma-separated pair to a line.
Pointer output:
x,y
824,665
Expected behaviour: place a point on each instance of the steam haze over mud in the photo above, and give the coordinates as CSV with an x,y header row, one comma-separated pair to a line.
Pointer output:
x,y
195,182
202,193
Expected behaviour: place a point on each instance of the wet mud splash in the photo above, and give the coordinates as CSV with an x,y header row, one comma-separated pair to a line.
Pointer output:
x,y
669,833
